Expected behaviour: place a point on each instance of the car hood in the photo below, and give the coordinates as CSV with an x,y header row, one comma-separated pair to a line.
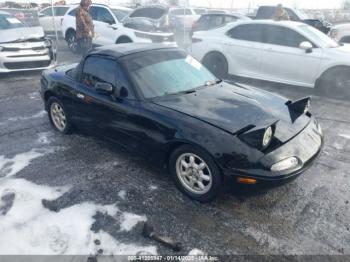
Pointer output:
x,y
21,34
343,50
233,107
342,26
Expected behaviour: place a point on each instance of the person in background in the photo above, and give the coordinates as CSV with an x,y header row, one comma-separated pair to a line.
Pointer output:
x,y
280,14
84,27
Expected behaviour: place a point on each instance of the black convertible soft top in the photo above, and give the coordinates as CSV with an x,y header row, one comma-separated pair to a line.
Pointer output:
x,y
119,50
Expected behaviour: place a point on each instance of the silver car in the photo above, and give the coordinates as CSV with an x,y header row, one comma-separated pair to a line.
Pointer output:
x,y
22,47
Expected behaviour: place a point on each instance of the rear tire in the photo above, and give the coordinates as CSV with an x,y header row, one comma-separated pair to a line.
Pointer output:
x,y
72,42
335,83
195,173
217,64
58,115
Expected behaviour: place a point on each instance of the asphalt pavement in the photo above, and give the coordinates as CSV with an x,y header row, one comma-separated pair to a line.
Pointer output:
x,y
307,216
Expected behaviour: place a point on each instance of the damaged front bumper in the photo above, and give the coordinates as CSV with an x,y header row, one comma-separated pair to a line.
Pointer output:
x,y
28,55
305,147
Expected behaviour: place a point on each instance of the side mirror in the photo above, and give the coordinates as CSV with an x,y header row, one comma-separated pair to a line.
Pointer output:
x,y
41,15
104,88
306,46
110,21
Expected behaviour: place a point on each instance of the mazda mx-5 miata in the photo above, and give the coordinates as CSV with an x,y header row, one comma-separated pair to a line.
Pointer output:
x,y
160,102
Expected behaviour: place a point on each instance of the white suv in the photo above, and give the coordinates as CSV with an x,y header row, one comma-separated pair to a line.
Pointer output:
x,y
109,28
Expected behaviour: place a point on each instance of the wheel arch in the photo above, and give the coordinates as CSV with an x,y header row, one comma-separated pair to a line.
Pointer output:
x,y
47,95
345,38
327,70
173,145
123,37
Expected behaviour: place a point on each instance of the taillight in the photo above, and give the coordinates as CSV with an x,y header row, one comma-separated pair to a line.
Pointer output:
x,y
196,40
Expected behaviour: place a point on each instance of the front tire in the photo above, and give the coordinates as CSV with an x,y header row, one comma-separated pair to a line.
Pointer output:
x,y
217,64
335,83
58,115
195,173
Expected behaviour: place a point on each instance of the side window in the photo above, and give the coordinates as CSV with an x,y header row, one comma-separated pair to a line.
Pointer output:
x,y
93,12
229,19
181,12
97,69
60,11
47,11
216,21
103,15
248,32
292,15
203,22
72,13
278,35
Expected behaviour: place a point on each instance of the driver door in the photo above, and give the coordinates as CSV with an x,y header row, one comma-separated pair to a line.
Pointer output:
x,y
112,115
105,25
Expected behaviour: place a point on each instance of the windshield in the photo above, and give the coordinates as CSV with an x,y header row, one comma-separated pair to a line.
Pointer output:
x,y
318,37
9,22
301,14
120,13
167,72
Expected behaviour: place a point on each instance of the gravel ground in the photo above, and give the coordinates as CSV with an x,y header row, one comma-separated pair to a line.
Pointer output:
x,y
308,216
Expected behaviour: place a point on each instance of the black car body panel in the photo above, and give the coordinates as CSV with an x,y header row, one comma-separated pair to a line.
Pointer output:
x,y
215,118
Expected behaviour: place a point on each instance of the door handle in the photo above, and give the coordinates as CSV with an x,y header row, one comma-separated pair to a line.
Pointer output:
x,y
80,96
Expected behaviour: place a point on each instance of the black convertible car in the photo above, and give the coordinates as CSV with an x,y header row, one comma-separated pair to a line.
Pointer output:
x,y
160,102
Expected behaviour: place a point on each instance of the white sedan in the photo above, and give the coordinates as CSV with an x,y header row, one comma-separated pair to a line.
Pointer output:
x,y
285,52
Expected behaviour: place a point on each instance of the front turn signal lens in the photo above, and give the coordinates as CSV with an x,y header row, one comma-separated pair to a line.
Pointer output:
x,y
245,180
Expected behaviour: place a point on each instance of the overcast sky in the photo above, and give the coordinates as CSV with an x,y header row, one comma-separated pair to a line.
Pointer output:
x,y
227,3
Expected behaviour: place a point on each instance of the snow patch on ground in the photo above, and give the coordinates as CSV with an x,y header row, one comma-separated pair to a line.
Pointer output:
x,y
346,136
122,194
29,228
11,166
129,220
152,187
21,118
44,138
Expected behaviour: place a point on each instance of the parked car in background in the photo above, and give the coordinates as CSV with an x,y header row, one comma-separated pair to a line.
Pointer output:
x,y
214,20
115,25
28,17
150,24
52,21
341,33
183,18
159,102
297,15
22,47
285,52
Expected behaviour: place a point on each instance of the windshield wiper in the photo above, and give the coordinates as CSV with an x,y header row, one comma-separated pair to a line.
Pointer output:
x,y
213,82
181,92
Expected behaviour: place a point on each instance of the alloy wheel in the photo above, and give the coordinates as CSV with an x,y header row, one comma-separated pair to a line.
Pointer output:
x,y
194,173
58,116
